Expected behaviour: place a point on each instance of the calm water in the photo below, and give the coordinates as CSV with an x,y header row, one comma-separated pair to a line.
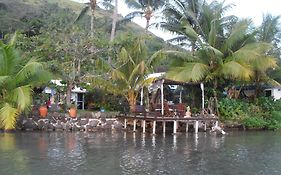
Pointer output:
x,y
127,153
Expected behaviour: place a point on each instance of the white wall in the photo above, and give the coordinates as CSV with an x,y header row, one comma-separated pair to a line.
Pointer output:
x,y
276,93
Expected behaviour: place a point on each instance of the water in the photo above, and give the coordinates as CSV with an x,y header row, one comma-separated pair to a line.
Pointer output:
x,y
78,153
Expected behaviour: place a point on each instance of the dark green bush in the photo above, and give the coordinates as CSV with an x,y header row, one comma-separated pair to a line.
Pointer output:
x,y
274,120
254,122
263,113
233,110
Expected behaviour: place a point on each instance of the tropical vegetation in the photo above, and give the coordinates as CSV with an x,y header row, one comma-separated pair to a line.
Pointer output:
x,y
98,51
17,78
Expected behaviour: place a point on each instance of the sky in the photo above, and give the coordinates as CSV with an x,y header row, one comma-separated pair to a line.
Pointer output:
x,y
253,9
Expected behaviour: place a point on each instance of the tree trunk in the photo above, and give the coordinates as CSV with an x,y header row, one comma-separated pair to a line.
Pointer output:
x,y
92,23
148,15
215,97
132,99
68,93
114,21
147,25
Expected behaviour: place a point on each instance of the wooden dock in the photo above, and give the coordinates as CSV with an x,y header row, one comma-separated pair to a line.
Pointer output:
x,y
164,120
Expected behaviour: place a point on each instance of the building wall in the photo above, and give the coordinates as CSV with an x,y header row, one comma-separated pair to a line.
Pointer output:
x,y
276,93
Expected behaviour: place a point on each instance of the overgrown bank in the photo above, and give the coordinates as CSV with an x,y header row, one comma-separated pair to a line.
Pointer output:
x,y
263,113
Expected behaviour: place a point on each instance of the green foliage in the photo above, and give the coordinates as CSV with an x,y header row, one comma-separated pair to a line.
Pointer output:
x,y
233,110
17,77
274,120
254,122
263,113
96,99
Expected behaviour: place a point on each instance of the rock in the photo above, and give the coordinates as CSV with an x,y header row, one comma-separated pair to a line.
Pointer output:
x,y
29,124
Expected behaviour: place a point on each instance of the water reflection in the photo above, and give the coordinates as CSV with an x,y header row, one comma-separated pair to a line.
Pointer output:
x,y
137,153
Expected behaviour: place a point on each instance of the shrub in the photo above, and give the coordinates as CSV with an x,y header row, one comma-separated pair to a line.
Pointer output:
x,y
274,120
254,122
233,110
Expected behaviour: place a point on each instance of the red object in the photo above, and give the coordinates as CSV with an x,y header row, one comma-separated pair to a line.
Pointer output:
x,y
43,111
72,112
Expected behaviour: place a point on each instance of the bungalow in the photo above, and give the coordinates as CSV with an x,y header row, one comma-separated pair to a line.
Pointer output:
x,y
77,94
274,92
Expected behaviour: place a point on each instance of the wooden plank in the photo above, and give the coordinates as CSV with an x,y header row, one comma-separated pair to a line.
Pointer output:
x,y
169,118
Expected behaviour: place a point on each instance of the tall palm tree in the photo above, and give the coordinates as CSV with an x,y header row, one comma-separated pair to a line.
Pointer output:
x,y
114,20
92,5
224,48
127,77
144,8
17,77
269,32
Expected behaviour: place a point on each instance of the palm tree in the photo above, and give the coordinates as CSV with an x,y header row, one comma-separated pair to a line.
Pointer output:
x,y
144,8
114,20
269,32
127,77
17,77
224,48
89,6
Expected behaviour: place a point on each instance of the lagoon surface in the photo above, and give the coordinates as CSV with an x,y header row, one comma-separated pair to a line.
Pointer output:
x,y
105,153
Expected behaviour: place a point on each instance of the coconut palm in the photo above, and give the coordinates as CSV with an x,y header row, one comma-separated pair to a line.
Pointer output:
x,y
269,32
224,49
17,77
127,77
92,5
144,8
114,20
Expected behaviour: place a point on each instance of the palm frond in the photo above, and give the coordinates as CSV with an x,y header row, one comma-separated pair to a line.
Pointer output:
x,y
132,15
238,31
134,4
252,51
118,75
264,63
28,70
190,72
21,96
82,13
8,115
236,70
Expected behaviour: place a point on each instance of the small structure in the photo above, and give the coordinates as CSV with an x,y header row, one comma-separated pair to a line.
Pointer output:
x,y
166,112
274,92
77,94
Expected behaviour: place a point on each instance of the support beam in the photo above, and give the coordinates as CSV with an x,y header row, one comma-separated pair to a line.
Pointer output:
x,y
143,126
216,124
135,125
186,128
162,97
175,127
125,123
164,127
154,127
196,126
203,95
141,96
205,126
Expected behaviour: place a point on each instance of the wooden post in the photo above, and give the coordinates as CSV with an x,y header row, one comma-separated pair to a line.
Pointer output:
x,y
205,126
196,126
125,123
141,101
175,126
154,127
164,127
143,126
135,125
162,98
186,128
202,89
